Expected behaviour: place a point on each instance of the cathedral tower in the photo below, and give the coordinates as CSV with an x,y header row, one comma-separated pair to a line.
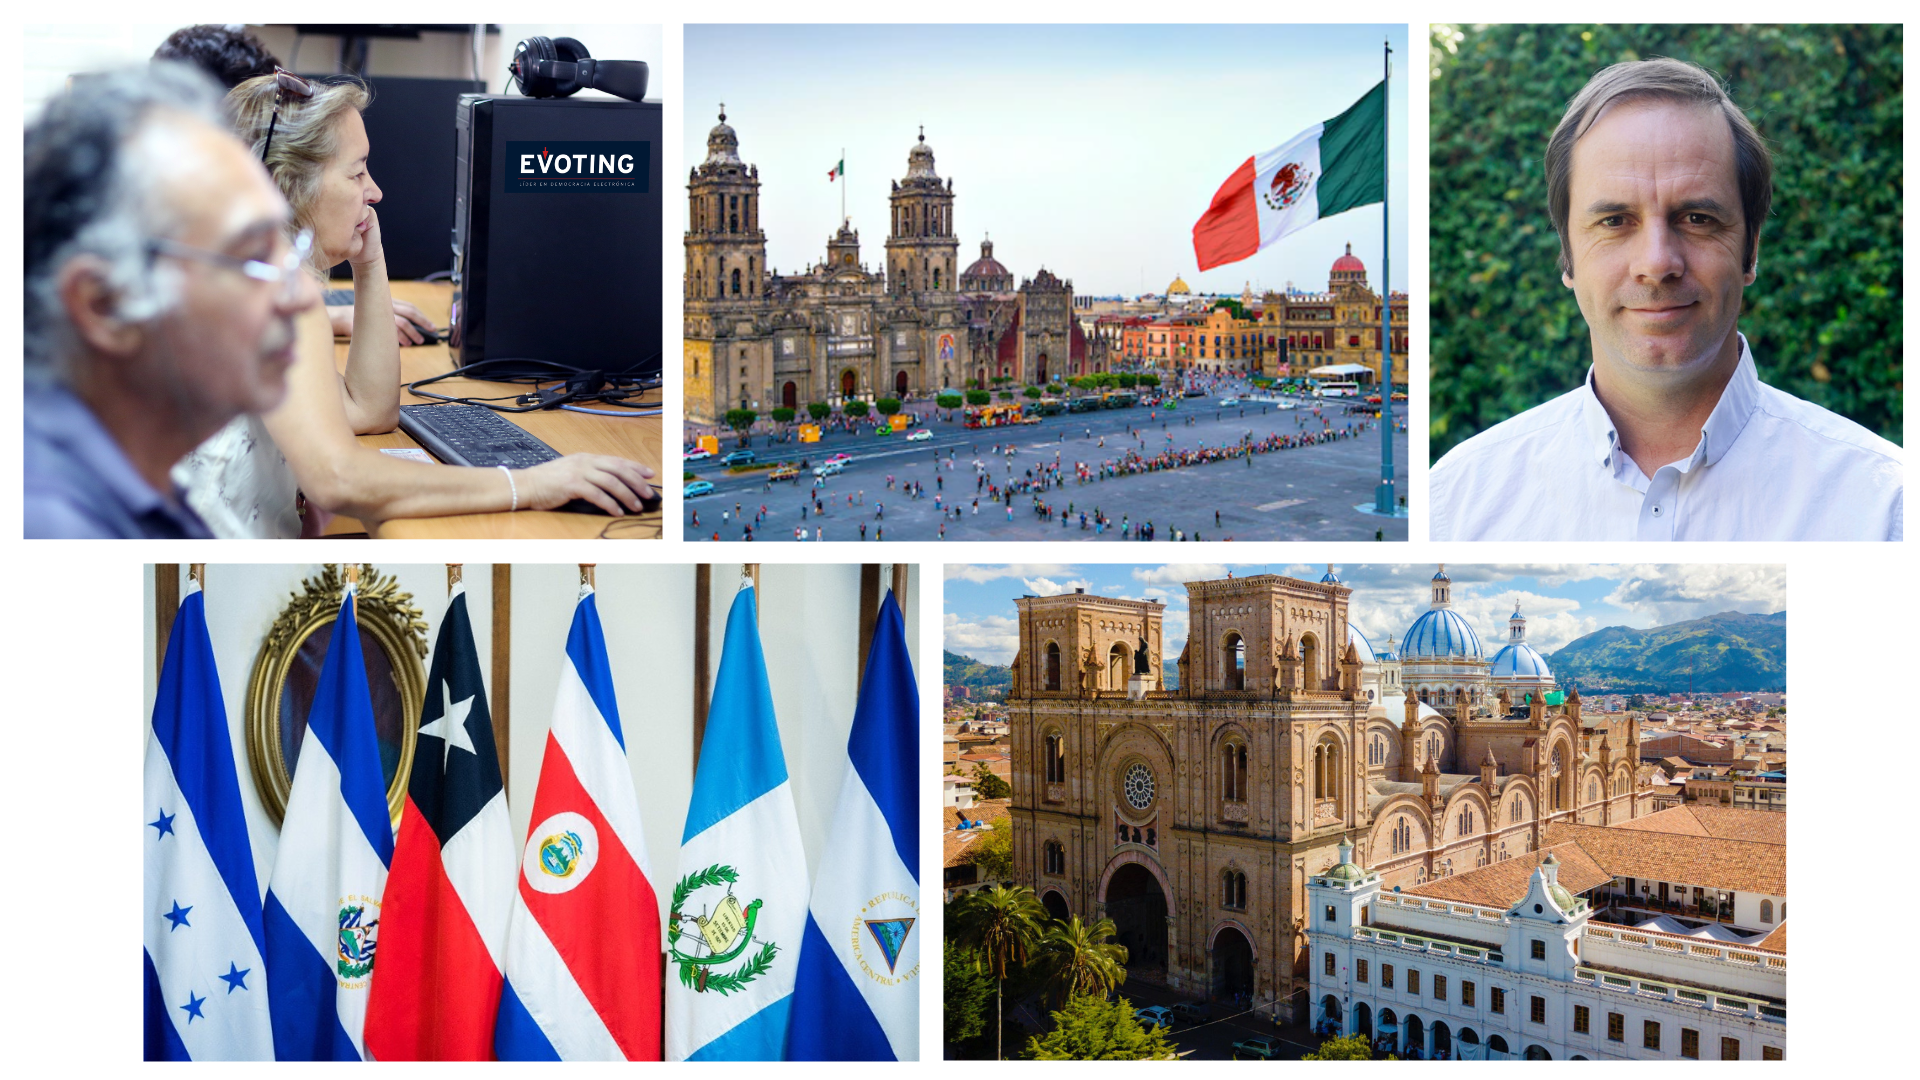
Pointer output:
x,y
922,251
726,262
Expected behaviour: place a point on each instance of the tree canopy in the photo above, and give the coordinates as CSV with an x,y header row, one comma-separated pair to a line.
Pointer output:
x,y
1823,316
1091,1028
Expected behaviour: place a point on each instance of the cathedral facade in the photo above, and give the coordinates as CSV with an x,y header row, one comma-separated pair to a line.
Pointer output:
x,y
842,330
1193,817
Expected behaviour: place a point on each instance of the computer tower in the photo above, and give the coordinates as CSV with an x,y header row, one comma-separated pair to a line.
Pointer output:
x,y
557,233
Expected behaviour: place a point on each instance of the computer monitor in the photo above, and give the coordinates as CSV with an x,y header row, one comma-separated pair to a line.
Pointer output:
x,y
413,154
557,235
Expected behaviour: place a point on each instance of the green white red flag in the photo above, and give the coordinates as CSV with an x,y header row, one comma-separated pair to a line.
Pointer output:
x,y
837,171
1329,168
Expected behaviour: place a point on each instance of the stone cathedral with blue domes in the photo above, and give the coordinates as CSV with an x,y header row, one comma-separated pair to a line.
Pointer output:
x,y
1193,815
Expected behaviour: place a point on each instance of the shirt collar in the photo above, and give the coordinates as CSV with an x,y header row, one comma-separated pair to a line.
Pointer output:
x,y
1723,427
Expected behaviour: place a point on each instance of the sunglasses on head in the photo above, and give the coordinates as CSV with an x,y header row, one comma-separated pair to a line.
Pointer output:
x,y
285,82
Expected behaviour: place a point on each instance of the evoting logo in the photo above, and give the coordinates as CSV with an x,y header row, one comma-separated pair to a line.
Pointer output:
x,y
577,166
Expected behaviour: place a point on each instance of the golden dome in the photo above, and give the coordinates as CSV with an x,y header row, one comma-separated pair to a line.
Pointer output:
x,y
1178,288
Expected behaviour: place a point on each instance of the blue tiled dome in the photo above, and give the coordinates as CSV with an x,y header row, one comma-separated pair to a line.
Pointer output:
x,y
1441,632
1361,644
1519,661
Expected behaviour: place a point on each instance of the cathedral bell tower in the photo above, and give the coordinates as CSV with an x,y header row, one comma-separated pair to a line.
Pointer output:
x,y
922,251
726,251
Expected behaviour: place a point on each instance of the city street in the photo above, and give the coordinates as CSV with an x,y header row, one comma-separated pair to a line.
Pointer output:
x,y
1213,1038
904,490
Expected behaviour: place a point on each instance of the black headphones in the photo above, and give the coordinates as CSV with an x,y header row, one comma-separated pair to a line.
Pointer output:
x,y
557,67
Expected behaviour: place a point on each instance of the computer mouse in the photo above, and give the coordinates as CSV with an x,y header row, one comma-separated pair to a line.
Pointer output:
x,y
582,506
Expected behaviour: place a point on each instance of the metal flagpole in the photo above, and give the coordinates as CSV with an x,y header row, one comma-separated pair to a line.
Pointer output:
x,y
1383,496
843,185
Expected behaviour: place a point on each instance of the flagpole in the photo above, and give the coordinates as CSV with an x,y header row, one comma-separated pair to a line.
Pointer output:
x,y
843,185
1384,502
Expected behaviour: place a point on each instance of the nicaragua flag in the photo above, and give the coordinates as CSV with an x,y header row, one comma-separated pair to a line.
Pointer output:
x,y
583,941
1329,168
323,900
857,997
206,987
443,937
739,909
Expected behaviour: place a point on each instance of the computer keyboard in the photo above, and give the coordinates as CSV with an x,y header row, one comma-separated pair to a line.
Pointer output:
x,y
473,435
476,435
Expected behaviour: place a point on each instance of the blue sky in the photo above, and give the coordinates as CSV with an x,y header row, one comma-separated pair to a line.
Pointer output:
x,y
1090,150
1561,602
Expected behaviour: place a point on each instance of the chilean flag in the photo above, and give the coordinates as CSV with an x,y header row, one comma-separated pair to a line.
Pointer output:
x,y
436,989
1329,168
583,943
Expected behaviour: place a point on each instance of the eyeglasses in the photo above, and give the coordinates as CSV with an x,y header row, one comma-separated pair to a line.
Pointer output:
x,y
286,273
285,82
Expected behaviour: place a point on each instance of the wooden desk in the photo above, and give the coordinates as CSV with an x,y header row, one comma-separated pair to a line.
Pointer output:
x,y
636,438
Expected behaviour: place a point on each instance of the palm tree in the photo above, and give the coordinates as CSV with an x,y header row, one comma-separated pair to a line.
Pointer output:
x,y
1078,958
1000,925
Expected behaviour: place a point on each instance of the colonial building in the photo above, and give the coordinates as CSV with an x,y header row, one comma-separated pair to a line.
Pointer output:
x,y
839,329
1306,330
1659,939
1195,816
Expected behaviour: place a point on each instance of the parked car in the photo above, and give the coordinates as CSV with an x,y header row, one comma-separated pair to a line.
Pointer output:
x,y
698,488
1265,1049
883,429
920,436
1193,1012
699,453
1229,401
842,458
740,457
1154,1016
788,471
831,468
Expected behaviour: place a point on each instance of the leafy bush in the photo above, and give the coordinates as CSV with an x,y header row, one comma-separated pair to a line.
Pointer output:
x,y
1056,389
978,397
1147,379
1824,315
782,415
948,400
1128,382
741,419
855,409
818,409
1031,391
1006,395
887,406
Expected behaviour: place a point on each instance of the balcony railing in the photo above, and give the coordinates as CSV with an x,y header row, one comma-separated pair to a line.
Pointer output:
x,y
1710,1000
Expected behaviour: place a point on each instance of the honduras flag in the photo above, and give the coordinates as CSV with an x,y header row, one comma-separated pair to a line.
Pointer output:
x,y
323,901
739,908
858,994
206,988
583,938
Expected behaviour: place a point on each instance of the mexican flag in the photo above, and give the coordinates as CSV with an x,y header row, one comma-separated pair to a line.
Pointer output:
x,y
837,171
1328,168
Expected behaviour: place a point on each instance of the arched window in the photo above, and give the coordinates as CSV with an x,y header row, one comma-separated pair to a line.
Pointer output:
x,y
1433,748
1233,891
1326,769
1593,791
1766,911
1233,772
1309,662
1056,759
1055,858
1053,665
736,282
749,277
1466,821
936,277
1234,658
1513,812
1401,838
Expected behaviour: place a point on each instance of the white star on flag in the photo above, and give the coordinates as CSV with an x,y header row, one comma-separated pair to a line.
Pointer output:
x,y
451,728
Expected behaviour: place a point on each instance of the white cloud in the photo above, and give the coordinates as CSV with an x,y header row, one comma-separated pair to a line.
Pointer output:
x,y
982,574
1179,573
1040,586
992,639
1676,593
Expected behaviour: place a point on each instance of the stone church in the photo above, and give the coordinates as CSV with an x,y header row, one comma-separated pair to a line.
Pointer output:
x,y
841,329
1193,817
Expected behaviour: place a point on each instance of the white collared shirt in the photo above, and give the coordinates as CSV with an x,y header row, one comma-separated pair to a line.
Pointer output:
x,y
1769,467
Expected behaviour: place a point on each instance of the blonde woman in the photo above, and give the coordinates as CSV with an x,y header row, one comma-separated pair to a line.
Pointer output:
x,y
285,473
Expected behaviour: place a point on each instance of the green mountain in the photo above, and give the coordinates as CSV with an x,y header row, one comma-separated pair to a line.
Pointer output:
x,y
1728,651
968,672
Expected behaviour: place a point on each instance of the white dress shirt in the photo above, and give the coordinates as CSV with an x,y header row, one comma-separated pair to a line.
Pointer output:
x,y
1769,467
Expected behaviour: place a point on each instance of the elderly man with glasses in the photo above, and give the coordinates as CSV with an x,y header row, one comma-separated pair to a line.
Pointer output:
x,y
161,291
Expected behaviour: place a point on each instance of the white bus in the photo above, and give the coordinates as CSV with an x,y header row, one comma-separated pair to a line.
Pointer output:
x,y
1336,388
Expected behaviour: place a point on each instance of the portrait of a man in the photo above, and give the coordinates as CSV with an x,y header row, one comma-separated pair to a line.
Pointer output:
x,y
1659,189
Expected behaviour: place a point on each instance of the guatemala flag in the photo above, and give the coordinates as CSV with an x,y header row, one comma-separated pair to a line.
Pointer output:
x,y
583,939
323,901
858,994
206,988
739,909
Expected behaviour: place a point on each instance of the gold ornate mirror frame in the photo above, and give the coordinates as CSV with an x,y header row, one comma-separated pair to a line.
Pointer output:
x,y
386,615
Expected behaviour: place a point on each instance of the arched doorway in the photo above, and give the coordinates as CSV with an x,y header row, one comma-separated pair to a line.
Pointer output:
x,y
1470,1049
1232,965
1416,1040
1055,904
1053,665
1388,1037
1330,1017
1442,1041
1363,1020
1138,908
900,383
790,396
1309,662
1536,1052
1117,672
1233,657
849,382
1040,370
1497,1048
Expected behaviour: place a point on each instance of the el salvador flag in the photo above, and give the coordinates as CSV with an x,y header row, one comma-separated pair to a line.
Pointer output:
x,y
206,988
583,938
739,908
323,900
858,994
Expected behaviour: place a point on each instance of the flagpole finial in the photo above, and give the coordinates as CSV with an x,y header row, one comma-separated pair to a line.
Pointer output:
x,y
197,573
586,574
923,133
723,112
453,576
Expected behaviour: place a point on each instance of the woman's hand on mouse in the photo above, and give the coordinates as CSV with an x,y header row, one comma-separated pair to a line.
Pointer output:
x,y
613,484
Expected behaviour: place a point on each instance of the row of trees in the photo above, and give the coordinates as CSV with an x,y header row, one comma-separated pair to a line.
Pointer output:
x,y
742,419
1003,934
1105,380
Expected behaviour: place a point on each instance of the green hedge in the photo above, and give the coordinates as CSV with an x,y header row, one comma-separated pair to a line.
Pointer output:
x,y
1823,317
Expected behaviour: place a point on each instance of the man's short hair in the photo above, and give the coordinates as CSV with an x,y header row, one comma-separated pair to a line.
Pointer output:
x,y
1673,80
83,196
230,53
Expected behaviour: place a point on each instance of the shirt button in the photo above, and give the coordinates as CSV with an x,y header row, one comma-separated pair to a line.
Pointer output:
x,y
1656,511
